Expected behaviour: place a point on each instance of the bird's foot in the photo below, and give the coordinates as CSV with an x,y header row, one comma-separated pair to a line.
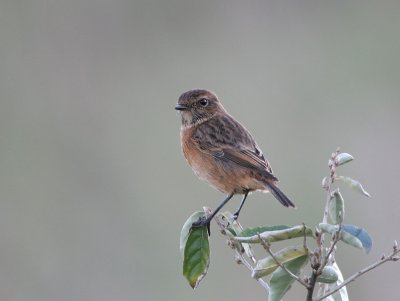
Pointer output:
x,y
202,222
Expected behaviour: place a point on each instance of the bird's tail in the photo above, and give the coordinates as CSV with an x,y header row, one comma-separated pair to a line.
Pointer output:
x,y
279,195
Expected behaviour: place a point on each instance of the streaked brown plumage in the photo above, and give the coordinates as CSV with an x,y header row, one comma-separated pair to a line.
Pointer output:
x,y
221,151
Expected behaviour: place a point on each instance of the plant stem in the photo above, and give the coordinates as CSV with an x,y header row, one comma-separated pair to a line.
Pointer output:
x,y
352,278
311,287
238,252
268,249
321,241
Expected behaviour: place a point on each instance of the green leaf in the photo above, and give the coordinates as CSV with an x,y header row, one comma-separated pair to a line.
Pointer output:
x,y
354,185
351,240
267,265
328,228
325,182
196,256
187,227
336,208
258,230
350,234
281,281
340,295
343,158
277,235
328,275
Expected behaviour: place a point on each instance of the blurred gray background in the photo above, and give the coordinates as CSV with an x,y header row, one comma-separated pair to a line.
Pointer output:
x,y
94,188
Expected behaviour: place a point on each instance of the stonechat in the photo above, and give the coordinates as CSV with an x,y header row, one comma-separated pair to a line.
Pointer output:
x,y
223,152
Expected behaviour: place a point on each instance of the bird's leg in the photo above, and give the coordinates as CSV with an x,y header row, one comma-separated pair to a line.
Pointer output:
x,y
205,220
236,214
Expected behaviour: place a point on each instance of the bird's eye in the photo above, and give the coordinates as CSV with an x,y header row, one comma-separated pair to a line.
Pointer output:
x,y
203,102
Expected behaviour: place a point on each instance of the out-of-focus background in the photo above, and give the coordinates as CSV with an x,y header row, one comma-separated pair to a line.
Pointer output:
x,y
94,189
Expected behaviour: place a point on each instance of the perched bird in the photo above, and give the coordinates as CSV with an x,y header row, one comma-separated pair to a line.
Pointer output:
x,y
223,152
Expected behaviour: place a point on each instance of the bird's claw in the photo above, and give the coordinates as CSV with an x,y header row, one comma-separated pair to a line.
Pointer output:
x,y
201,222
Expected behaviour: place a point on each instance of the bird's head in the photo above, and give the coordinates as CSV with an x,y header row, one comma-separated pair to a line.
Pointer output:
x,y
197,106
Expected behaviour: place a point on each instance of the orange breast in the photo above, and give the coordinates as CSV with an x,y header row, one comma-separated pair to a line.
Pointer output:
x,y
224,176
193,155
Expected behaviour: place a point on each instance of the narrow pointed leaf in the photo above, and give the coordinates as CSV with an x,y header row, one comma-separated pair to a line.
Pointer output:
x,y
328,275
354,185
343,236
351,240
358,233
267,265
343,158
277,235
186,228
328,228
258,230
340,295
350,234
336,208
281,281
196,256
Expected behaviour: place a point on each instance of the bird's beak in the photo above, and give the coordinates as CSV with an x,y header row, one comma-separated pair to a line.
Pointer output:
x,y
181,107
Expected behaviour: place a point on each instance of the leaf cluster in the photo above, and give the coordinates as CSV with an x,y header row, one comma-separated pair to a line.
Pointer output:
x,y
280,269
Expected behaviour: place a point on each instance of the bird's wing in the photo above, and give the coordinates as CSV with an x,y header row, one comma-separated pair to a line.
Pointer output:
x,y
247,155
244,157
